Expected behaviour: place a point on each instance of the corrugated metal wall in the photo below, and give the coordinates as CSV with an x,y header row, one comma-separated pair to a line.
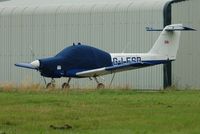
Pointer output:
x,y
31,32
186,69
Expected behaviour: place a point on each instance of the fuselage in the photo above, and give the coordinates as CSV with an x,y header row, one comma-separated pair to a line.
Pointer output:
x,y
79,58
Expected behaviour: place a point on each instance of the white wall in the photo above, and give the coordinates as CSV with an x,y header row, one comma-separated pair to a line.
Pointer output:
x,y
186,69
48,29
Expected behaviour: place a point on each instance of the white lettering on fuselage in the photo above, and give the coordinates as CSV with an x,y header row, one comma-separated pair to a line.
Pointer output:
x,y
125,60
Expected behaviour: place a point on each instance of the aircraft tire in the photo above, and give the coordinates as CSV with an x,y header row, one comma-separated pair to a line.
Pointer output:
x,y
100,86
65,86
50,85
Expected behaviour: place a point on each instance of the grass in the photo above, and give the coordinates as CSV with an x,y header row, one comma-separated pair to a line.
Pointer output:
x,y
100,112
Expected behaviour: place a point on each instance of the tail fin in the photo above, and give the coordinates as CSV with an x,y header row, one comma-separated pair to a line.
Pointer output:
x,y
167,43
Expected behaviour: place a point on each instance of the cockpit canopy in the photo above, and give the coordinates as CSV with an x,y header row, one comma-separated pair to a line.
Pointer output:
x,y
87,57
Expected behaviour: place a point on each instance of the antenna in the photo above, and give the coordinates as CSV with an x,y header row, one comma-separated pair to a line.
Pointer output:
x,y
32,53
33,58
128,44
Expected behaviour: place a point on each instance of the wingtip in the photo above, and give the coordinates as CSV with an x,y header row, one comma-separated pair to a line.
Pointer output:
x,y
16,64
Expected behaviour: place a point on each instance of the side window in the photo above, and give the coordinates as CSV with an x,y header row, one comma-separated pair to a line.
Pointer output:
x,y
59,67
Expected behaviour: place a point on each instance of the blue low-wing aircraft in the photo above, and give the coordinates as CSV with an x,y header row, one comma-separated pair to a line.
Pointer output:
x,y
81,61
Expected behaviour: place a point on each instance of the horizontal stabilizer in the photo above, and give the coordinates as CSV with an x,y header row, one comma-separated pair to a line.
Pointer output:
x,y
172,28
179,28
25,65
152,29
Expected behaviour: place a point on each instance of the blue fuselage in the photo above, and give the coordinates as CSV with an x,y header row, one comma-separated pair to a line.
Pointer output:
x,y
74,59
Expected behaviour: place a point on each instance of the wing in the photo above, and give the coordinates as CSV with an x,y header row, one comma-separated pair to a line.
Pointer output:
x,y
112,69
25,65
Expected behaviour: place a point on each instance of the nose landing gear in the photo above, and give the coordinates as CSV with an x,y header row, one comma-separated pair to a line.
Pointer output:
x,y
51,84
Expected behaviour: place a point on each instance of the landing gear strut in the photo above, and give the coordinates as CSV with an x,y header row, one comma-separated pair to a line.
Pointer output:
x,y
66,85
51,84
99,85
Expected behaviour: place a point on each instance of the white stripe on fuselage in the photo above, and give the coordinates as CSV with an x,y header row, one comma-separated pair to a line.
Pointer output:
x,y
124,58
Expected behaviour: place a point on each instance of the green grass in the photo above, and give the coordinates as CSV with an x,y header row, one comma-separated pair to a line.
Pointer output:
x,y
100,112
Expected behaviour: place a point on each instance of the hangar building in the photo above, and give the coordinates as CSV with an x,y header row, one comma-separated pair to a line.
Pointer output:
x,y
31,29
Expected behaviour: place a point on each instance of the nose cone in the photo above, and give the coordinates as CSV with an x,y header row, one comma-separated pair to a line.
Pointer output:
x,y
36,63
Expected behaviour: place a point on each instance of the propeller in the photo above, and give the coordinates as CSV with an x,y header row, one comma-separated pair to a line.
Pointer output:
x,y
36,64
31,65
126,46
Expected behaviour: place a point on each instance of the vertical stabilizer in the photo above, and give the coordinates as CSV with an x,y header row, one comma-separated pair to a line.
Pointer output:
x,y
167,43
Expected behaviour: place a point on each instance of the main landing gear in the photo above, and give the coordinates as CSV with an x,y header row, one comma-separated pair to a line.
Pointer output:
x,y
66,85
99,85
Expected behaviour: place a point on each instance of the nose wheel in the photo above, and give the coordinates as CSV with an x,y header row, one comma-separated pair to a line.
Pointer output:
x,y
99,85
51,84
66,85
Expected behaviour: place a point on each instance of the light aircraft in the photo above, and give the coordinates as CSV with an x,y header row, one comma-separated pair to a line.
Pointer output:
x,y
82,61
